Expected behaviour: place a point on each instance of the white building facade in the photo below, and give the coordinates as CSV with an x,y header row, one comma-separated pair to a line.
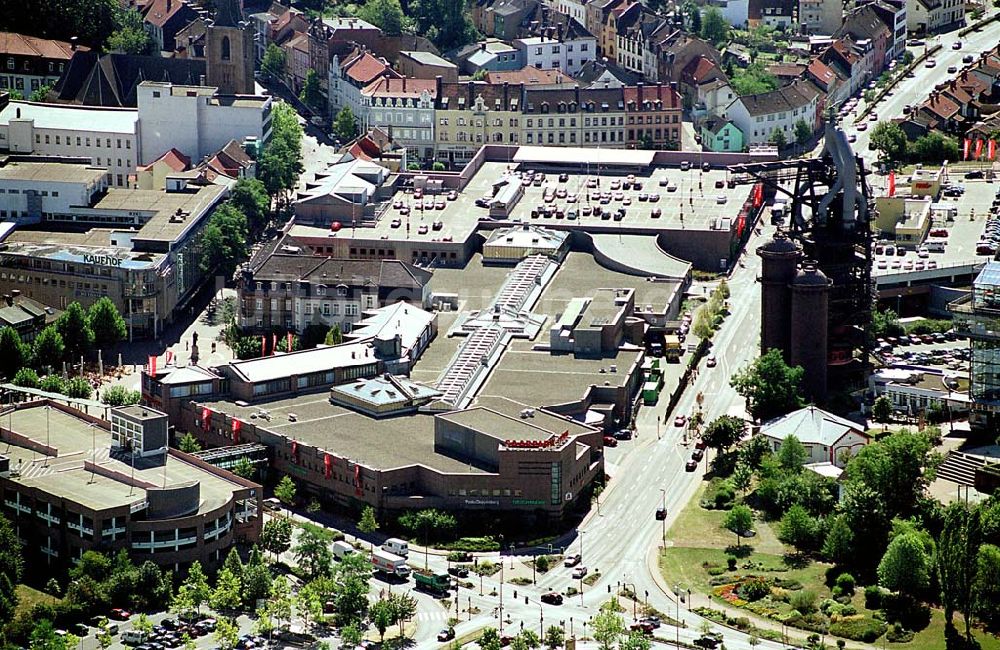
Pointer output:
x,y
759,116
547,54
404,108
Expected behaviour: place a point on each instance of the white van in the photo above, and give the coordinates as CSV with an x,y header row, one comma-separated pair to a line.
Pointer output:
x,y
396,546
935,245
133,637
342,549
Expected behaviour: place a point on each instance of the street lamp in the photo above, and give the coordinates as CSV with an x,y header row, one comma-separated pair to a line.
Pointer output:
x,y
663,537
677,610
582,532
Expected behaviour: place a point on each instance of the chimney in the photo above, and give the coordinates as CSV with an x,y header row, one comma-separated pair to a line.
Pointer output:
x,y
437,86
72,42
169,3
201,80
638,91
404,84
7,298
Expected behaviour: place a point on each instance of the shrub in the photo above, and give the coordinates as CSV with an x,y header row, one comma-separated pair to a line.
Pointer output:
x,y
474,544
53,384
873,597
458,556
731,562
846,583
791,585
848,610
542,563
858,629
899,634
716,571
804,601
754,588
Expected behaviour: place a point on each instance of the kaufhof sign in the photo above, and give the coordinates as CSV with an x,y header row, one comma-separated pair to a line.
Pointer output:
x,y
102,260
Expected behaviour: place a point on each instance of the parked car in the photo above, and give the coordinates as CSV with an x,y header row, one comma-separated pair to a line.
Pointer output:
x,y
697,455
712,362
446,635
610,441
690,466
661,513
579,573
552,598
974,174
680,420
120,614
571,560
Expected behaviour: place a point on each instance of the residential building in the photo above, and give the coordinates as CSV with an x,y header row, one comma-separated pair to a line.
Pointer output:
x,y
780,14
578,117
653,116
28,63
598,13
405,109
426,65
865,25
275,26
297,61
698,72
931,16
821,16
721,135
825,436
942,112
843,60
575,9
472,114
156,503
759,116
712,98
162,20
349,75
736,12
229,50
378,147
606,74
675,49
893,14
828,82
491,55
501,19
568,55
154,174
531,76
197,120
107,137
636,30
914,391
294,291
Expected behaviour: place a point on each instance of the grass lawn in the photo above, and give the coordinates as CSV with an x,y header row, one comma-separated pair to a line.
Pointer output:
x,y
28,597
932,637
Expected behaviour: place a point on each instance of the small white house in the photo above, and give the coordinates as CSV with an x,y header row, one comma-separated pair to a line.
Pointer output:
x,y
824,435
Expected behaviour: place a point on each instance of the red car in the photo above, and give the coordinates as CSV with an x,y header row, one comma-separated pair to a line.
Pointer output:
x,y
120,614
691,466
610,441
700,444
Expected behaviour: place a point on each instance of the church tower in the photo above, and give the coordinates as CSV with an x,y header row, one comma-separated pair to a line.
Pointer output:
x,y
229,50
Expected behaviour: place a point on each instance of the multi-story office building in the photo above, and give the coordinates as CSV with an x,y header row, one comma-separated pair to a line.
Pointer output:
x,y
71,482
109,137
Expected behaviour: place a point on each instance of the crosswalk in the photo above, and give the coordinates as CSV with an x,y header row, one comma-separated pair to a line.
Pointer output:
x,y
431,616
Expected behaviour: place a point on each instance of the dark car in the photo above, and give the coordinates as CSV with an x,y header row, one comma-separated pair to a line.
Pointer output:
x,y
699,444
610,441
563,178
623,434
697,454
446,635
458,571
706,642
661,513
169,624
974,174
552,598
690,466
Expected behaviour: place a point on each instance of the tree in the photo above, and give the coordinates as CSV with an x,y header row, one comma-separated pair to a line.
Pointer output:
x,y
249,196
75,330
742,476
792,454
273,63
778,139
226,597
118,395
104,636
802,132
280,164
607,628
384,14
11,567
770,387
899,467
752,80
381,614
489,639
351,635
49,348
404,607
130,36
723,432
188,443
276,536
890,141
285,490
224,240
986,588
934,148
227,633
885,322
368,524
53,384
143,624
79,388
106,323
703,327
882,409
798,528
196,586
280,600
351,576
89,20
636,640
838,547
714,27
26,378
244,468
739,521
693,13
312,95
345,126
554,637
13,352
312,553
957,556
256,579
905,566
429,523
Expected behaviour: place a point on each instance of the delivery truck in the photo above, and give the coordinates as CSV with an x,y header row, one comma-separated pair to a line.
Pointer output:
x,y
390,564
437,583
341,549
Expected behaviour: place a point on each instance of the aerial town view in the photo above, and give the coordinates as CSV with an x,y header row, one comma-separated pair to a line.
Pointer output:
x,y
499,324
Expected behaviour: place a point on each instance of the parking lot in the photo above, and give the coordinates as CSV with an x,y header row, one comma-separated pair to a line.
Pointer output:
x,y
948,350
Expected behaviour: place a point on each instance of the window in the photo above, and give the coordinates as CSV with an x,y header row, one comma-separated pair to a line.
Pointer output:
x,y
225,48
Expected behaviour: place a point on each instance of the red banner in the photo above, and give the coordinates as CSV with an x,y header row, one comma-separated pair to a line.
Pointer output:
x,y
288,342
327,465
741,223
979,149
992,151
965,149
892,183
152,366
295,451
170,358
206,419
274,343
263,346
357,480
237,427
758,195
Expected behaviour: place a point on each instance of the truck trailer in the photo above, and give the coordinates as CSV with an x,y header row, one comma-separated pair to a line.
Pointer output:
x,y
437,583
390,564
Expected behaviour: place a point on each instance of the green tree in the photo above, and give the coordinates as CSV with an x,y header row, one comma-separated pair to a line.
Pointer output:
x,y
739,521
351,575
351,635
778,139
802,132
899,467
429,524
312,553
249,196
104,636
742,476
770,386
74,327
227,633
49,348
957,552
714,27
130,36
882,409
885,322
489,639
792,454
188,443
905,566
798,528
312,94
636,640
934,148
276,536
838,545
723,432
554,637
280,163
607,627
79,388
384,14
753,80
368,524
890,141
54,384
11,568
41,94
280,600
285,490
703,327
345,126
693,14
381,613
89,20
118,395
224,240
986,588
273,63
256,578
143,624
26,378
13,352
226,597
404,607
244,468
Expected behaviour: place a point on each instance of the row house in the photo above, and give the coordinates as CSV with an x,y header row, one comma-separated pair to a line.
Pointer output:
x,y
942,113
821,16
893,14
297,61
470,114
593,116
699,72
352,70
276,26
566,55
598,14
829,82
327,35
27,63
575,9
759,116
674,50
162,19
841,58
866,28
780,14
931,16
405,109
606,74
635,38
501,18
653,116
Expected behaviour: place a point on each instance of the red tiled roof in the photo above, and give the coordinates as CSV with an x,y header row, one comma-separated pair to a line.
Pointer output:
x,y
529,74
364,148
821,72
941,106
365,68
174,159
651,93
700,69
159,12
401,87
21,45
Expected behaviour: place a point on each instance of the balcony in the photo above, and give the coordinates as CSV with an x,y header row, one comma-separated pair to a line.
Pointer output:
x,y
164,544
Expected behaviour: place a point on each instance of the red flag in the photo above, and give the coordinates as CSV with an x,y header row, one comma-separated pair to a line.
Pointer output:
x,y
206,419
327,464
758,195
979,149
965,149
237,427
170,357
263,346
274,343
288,342
892,183
152,365
295,451
741,224
992,151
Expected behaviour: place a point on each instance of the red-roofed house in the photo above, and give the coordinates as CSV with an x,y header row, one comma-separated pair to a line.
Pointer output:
x,y
529,75
942,111
164,18
405,109
350,73
297,61
232,161
700,70
652,116
28,63
825,78
376,146
153,176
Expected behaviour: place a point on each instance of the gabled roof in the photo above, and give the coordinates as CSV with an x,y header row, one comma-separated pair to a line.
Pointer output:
x,y
31,46
160,12
528,75
821,72
669,97
366,67
812,426
940,106
230,160
463,94
173,159
715,125
699,70
111,79
400,87
594,70
795,95
864,23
